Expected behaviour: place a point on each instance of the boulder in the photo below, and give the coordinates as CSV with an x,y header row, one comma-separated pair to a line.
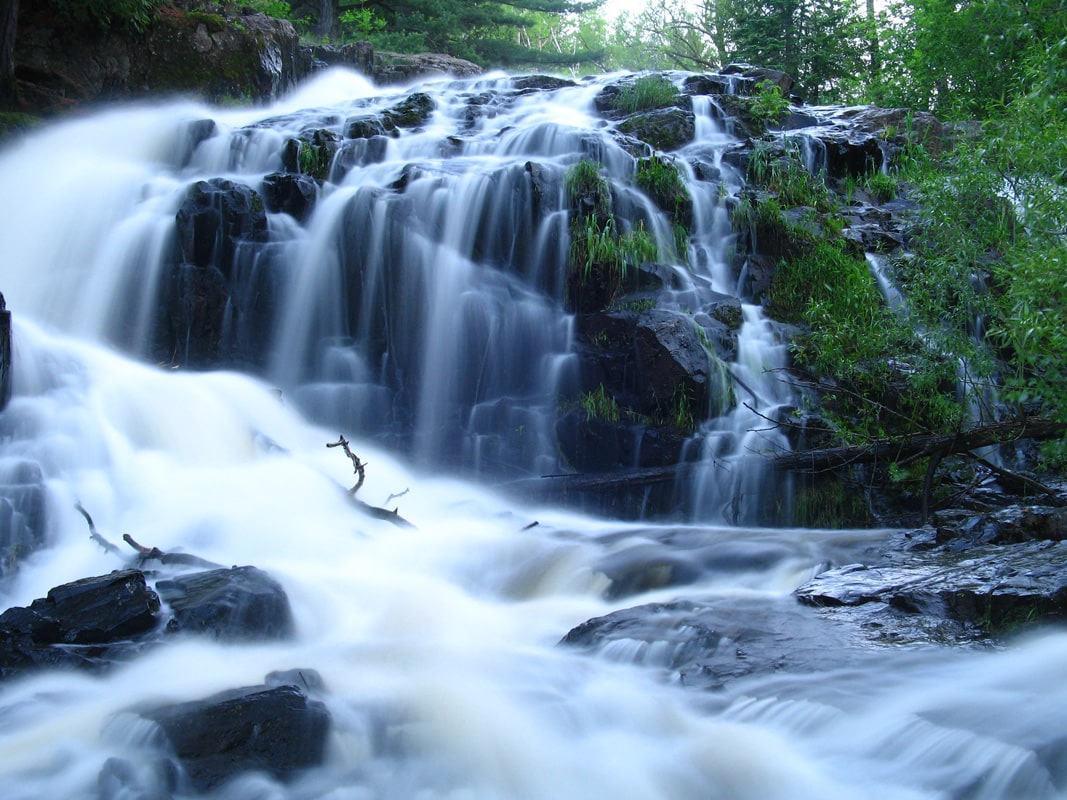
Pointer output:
x,y
221,227
274,730
249,56
5,354
294,195
672,362
411,112
992,588
358,56
711,645
240,603
390,68
86,623
664,129
214,219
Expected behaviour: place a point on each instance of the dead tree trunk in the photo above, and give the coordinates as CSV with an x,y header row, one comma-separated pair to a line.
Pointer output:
x,y
913,447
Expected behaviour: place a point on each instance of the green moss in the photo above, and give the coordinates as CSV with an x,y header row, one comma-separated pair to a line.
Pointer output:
x,y
13,123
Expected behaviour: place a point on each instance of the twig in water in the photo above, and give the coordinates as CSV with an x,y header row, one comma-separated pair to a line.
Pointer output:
x,y
360,467
94,534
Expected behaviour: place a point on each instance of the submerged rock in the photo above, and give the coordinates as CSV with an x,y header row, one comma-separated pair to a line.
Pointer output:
x,y
274,730
237,603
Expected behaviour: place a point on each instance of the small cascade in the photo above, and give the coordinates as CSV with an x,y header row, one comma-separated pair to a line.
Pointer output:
x,y
395,262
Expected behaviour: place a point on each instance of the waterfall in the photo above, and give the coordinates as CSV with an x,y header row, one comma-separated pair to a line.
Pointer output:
x,y
419,308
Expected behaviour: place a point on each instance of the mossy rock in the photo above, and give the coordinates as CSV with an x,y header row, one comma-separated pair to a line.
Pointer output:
x,y
664,129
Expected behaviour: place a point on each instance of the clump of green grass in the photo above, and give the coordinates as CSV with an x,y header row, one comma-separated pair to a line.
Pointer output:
x,y
646,93
598,404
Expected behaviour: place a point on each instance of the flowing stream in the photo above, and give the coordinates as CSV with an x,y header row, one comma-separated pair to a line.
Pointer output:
x,y
438,644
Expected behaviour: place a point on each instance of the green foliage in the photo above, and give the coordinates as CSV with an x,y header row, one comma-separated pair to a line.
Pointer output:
x,y
646,93
768,104
279,9
106,14
964,59
659,178
600,405
359,23
776,165
600,247
479,30
681,412
586,188
881,186
890,380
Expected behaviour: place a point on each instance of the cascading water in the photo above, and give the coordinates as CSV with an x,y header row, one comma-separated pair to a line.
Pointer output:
x,y
437,644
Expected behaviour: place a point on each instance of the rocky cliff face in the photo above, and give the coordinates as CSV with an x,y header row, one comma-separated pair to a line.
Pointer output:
x,y
250,57
247,58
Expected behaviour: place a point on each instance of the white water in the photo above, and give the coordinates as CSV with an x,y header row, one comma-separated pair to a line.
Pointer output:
x,y
438,643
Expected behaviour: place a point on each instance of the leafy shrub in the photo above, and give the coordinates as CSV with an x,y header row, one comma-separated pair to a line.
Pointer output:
x,y
768,105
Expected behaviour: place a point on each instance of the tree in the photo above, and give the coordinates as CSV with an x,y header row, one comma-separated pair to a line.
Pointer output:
x,y
961,58
482,31
9,12
818,42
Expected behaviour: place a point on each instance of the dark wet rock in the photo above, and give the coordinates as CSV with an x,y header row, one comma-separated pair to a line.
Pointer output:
x,y
249,56
753,76
217,216
312,153
847,151
290,194
994,588
22,512
411,112
274,730
239,603
664,129
1014,524
709,646
707,84
307,680
193,135
670,353
589,444
85,623
212,290
542,83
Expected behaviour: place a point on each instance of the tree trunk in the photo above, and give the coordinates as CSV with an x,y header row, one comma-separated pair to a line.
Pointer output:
x,y
9,13
873,45
328,13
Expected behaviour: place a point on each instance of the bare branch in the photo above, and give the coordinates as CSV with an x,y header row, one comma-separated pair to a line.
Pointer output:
x,y
360,467
94,534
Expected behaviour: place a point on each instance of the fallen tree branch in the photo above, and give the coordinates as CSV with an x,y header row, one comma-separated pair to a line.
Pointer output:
x,y
155,554
360,467
912,447
94,534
